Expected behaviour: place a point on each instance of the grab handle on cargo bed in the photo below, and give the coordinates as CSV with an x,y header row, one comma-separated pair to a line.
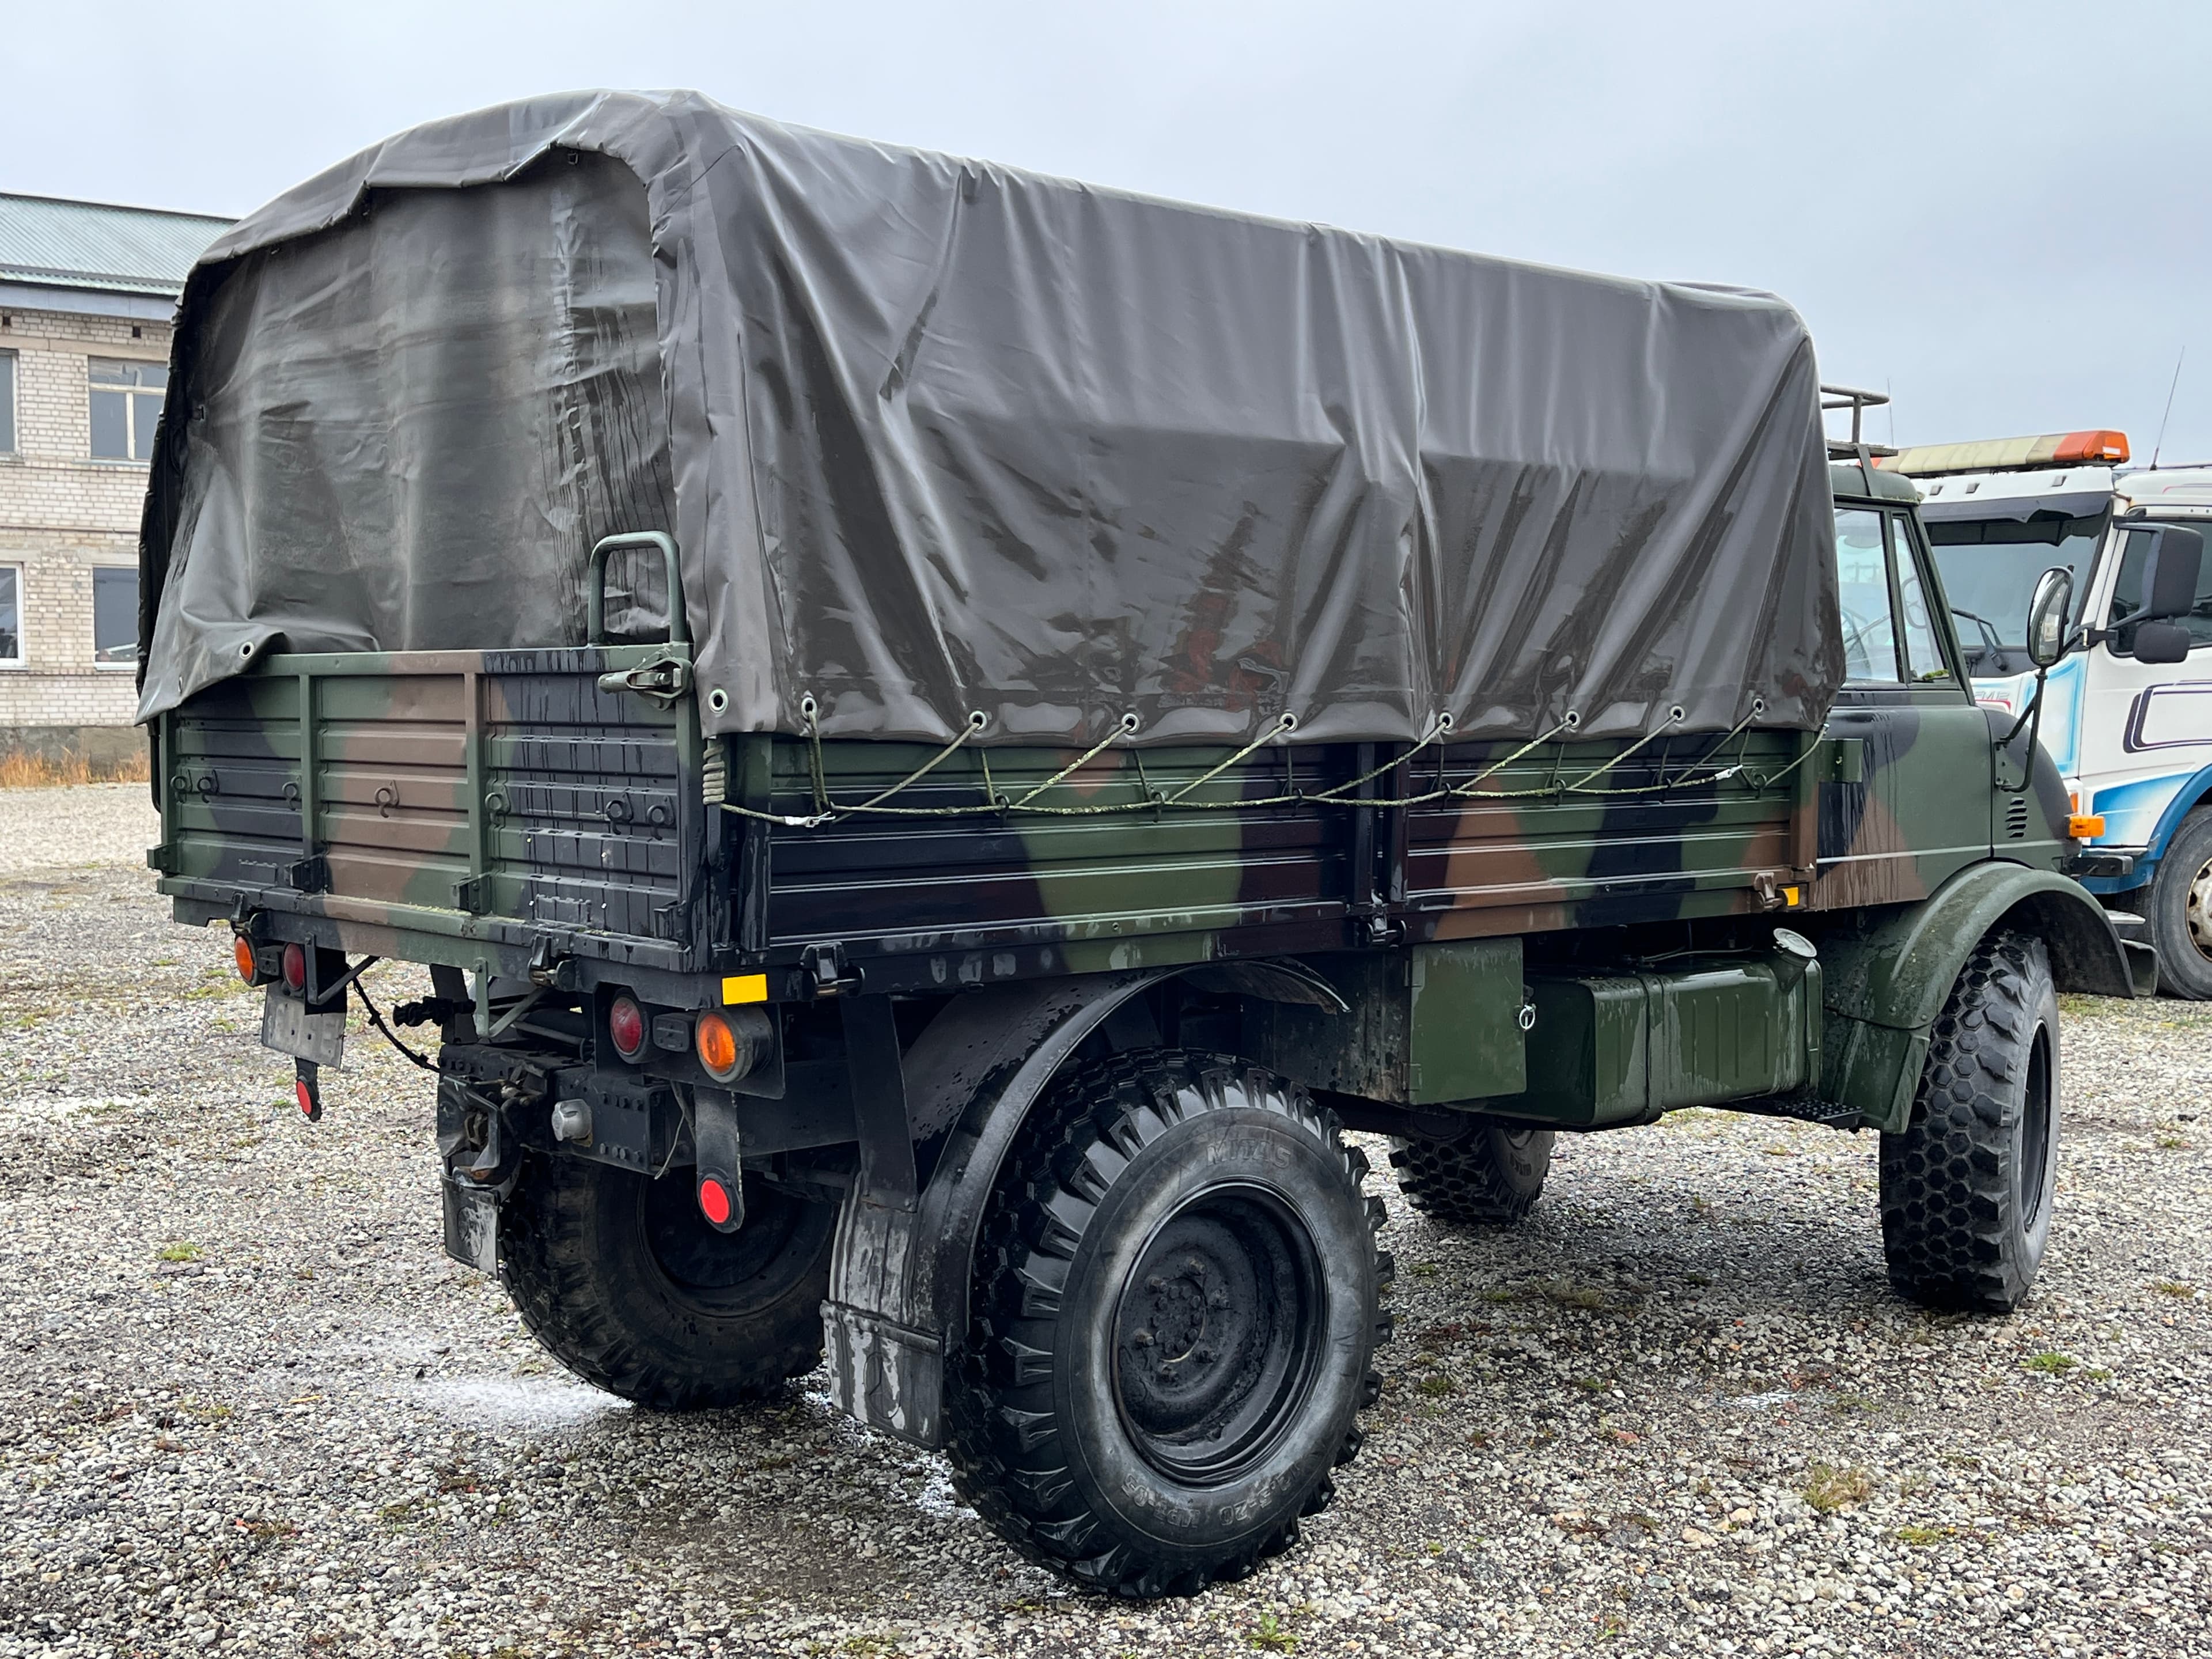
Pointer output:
x,y
595,585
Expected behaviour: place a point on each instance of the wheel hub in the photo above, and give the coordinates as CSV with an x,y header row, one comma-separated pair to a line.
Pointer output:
x,y
1216,1336
2198,910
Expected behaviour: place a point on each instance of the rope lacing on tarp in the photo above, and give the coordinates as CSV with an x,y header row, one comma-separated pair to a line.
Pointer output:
x,y
1701,773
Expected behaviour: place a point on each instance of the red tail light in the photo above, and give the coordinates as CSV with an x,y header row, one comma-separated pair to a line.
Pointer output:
x,y
626,1027
295,967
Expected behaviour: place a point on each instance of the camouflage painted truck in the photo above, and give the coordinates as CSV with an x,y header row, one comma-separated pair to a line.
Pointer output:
x,y
943,735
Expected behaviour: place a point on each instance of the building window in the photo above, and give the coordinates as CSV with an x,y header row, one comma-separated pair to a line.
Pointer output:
x,y
11,616
115,616
6,403
126,402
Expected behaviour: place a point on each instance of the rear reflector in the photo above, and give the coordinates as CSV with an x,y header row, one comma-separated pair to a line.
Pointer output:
x,y
241,950
296,966
308,1089
714,1200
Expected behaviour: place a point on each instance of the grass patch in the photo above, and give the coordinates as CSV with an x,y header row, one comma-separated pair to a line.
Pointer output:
x,y
24,770
2050,1363
182,1250
1269,1634
2175,1287
1436,1387
1828,1489
1565,1293
1921,1537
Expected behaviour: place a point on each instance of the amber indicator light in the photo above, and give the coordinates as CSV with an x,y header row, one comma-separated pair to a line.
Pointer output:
x,y
718,1046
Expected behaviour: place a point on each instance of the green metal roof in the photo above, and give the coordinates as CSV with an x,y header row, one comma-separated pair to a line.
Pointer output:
x,y
91,245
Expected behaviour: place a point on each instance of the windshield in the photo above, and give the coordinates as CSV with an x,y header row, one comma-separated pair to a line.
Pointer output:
x,y
1989,568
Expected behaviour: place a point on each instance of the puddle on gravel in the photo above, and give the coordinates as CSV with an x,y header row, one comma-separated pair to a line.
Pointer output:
x,y
1767,1402
516,1402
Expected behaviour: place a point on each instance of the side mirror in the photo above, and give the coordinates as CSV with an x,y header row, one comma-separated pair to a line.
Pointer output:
x,y
2162,642
2046,615
2172,573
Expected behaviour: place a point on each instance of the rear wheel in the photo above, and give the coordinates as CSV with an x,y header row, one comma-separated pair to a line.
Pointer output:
x,y
1966,1189
1175,1303
1492,1173
625,1284
2181,910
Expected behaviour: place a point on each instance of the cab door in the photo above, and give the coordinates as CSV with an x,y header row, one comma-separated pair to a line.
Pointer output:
x,y
2147,731
1905,786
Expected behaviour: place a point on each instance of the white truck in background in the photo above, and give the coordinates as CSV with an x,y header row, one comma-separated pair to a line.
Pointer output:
x,y
2131,734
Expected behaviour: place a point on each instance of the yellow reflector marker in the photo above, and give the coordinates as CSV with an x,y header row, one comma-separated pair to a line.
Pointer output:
x,y
1789,896
2086,826
745,988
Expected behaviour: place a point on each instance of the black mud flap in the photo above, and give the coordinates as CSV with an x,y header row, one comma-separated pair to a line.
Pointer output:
x,y
2142,967
471,1225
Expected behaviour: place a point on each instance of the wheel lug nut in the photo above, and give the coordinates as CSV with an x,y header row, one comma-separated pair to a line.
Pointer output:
x,y
1156,1284
1216,1298
1141,1339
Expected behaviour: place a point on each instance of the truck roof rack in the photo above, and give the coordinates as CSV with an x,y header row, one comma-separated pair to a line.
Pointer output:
x,y
1856,447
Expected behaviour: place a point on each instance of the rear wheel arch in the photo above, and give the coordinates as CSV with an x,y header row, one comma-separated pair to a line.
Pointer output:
x,y
974,1077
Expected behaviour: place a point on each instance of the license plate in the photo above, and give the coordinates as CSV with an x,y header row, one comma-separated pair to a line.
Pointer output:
x,y
290,1028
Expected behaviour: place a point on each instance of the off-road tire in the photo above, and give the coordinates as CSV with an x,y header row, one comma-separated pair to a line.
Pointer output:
x,y
2181,910
1492,1173
1168,1200
1967,1188
625,1285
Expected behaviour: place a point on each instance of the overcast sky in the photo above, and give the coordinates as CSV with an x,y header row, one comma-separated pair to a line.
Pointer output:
x,y
1998,211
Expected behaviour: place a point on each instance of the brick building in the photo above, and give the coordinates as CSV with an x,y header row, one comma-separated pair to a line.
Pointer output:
x,y
87,293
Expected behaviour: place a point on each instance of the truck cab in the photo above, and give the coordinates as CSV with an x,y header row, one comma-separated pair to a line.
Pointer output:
x,y
2131,735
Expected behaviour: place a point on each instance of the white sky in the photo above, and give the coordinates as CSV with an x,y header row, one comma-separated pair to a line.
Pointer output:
x,y
1998,210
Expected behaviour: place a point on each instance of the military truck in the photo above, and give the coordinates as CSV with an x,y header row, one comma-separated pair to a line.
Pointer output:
x,y
944,736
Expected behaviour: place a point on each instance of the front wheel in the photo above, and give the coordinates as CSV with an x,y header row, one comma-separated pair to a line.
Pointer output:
x,y
1176,1300
625,1285
2181,910
1966,1189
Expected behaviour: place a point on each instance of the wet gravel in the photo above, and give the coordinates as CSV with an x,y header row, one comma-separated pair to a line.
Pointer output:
x,y
247,1406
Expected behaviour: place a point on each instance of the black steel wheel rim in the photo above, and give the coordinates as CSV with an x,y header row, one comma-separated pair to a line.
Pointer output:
x,y
2035,1131
718,1273
1219,1334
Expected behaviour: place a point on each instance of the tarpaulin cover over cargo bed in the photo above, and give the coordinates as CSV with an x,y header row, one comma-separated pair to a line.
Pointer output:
x,y
936,436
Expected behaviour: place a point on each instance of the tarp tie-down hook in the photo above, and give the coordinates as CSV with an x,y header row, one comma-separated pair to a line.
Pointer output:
x,y
1674,717
1284,723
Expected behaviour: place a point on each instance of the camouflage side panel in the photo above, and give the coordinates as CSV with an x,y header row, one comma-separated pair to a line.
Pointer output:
x,y
446,806
941,893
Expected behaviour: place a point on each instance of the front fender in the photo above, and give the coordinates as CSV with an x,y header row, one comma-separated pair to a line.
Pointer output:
x,y
1885,986
1900,972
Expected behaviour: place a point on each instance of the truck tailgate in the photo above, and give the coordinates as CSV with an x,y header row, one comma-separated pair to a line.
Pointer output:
x,y
452,795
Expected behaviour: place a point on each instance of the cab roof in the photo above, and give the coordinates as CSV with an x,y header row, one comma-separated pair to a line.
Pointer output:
x,y
1849,479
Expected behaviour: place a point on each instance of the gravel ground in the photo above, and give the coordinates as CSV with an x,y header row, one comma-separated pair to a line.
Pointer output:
x,y
247,1406
92,823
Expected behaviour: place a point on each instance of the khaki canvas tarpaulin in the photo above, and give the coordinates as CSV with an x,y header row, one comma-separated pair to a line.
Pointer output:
x,y
936,436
